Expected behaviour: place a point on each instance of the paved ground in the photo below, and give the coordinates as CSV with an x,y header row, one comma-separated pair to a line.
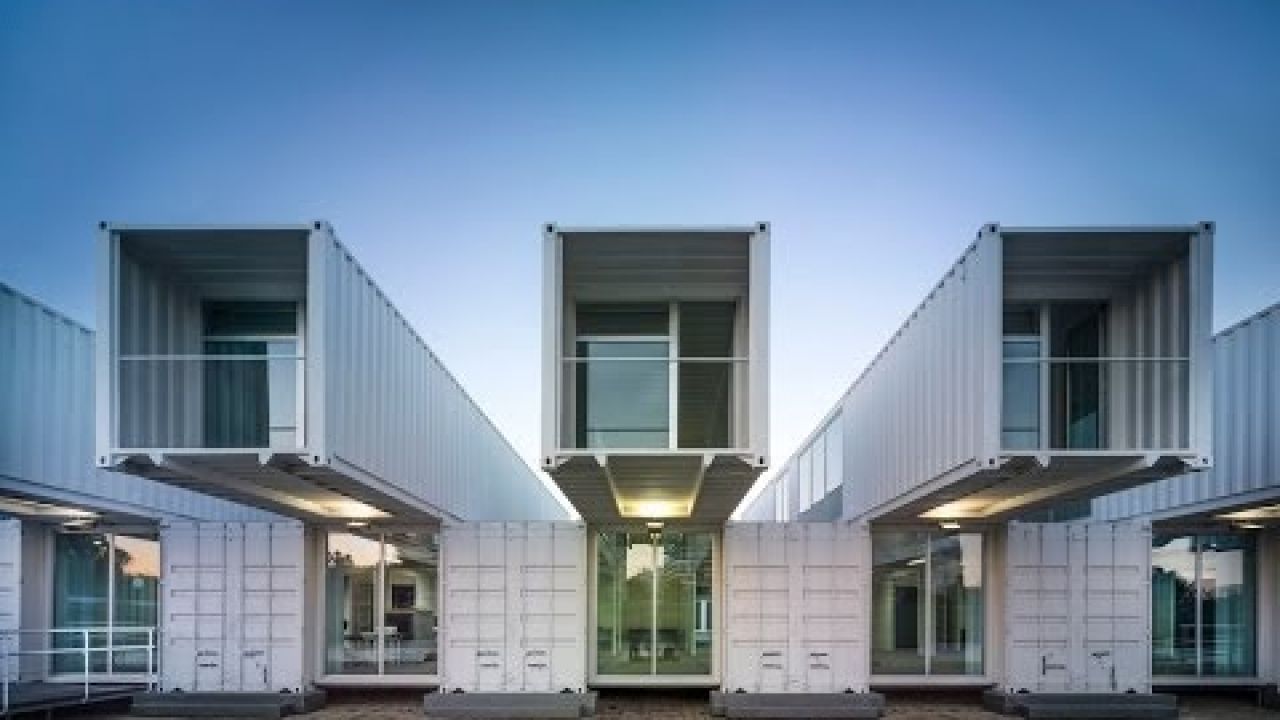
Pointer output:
x,y
389,705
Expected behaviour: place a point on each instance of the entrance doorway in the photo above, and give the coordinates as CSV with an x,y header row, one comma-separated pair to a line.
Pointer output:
x,y
654,604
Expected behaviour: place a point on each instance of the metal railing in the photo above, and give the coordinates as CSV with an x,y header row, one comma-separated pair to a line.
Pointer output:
x,y
210,401
11,653
1096,403
670,403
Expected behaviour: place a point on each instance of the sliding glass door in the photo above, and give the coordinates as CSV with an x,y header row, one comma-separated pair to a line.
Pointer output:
x,y
106,584
654,603
927,612
381,604
1203,605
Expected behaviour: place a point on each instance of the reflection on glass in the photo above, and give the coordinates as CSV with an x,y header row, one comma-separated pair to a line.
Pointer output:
x,y
81,569
1227,596
898,595
623,403
351,577
410,597
1212,577
624,603
1173,606
956,590
137,583
654,622
925,583
1020,406
683,593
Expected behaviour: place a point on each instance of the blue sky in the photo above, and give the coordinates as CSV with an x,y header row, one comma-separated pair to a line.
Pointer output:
x,y
876,137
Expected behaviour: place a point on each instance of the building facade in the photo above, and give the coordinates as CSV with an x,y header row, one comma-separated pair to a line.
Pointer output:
x,y
80,549
1214,549
1049,458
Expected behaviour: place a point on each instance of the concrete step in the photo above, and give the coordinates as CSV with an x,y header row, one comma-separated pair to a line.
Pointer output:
x,y
510,705
226,704
1085,706
797,705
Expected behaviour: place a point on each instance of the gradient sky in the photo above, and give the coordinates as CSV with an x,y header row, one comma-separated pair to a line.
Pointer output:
x,y
876,137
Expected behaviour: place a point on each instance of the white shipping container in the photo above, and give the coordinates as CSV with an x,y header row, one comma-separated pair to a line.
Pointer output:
x,y
922,424
1078,608
797,607
46,424
1246,429
514,607
10,591
355,401
232,607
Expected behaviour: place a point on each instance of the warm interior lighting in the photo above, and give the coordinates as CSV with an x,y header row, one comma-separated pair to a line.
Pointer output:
x,y
352,509
1258,513
1249,526
957,509
916,561
949,525
654,509
357,523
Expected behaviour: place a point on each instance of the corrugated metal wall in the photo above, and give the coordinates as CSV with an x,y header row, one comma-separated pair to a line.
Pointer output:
x,y
159,401
392,410
1149,401
926,405
233,607
1078,607
46,421
515,611
797,607
1246,428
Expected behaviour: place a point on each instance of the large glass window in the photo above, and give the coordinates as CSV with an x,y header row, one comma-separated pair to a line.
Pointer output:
x,y
624,394
381,604
1020,405
251,403
653,603
927,603
1203,605
108,584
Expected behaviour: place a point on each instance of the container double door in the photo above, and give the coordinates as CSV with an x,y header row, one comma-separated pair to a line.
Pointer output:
x,y
232,607
1078,607
797,607
654,604
513,606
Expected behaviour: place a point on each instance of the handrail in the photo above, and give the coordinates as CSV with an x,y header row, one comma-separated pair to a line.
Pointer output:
x,y
7,651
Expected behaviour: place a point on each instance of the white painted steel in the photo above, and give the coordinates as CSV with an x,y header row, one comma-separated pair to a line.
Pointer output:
x,y
797,607
1078,607
925,413
381,419
514,607
10,591
46,424
232,607
1246,429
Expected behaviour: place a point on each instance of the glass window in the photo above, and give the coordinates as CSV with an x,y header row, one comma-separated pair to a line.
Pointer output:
x,y
654,603
1020,406
623,398
351,581
137,591
705,388
805,480
1021,320
927,603
1203,605
643,319
251,403
86,568
412,560
835,454
819,458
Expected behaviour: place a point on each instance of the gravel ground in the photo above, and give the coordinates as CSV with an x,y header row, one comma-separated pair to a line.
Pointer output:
x,y
620,705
